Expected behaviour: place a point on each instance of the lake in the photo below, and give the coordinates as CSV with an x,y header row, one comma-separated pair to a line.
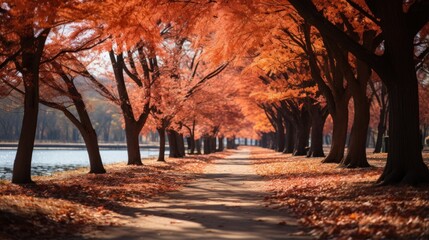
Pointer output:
x,y
47,161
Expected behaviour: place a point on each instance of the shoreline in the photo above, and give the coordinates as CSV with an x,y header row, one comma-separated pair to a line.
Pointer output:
x,y
76,146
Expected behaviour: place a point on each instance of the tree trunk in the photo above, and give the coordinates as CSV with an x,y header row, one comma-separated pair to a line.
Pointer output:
x,y
273,140
207,145
173,143
32,50
340,121
230,143
381,130
405,163
356,152
369,137
317,123
303,134
192,144
221,147
188,142
404,160
280,133
22,163
290,137
91,143
161,155
263,142
425,132
133,146
84,126
212,144
198,145
180,145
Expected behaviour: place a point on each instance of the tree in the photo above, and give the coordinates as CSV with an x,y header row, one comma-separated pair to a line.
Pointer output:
x,y
58,83
59,80
380,106
29,24
134,120
399,25
336,93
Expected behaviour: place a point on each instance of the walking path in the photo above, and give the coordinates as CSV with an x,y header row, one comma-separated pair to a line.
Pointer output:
x,y
225,203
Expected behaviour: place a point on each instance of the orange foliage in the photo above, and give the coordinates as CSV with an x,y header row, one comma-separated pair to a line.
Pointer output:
x,y
340,203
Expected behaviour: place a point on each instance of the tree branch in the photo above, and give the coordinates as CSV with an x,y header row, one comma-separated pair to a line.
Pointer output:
x,y
204,79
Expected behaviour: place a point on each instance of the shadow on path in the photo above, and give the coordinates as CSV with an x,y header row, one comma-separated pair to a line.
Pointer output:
x,y
225,203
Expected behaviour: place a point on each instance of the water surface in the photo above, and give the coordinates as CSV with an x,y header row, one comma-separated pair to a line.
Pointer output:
x,y
47,161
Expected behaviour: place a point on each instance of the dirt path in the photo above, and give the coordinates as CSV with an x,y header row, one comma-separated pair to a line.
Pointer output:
x,y
225,203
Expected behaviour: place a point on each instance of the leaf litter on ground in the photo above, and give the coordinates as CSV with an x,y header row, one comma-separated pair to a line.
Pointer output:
x,y
340,203
74,202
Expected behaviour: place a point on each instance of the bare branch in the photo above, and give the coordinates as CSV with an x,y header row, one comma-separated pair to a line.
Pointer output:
x,y
204,79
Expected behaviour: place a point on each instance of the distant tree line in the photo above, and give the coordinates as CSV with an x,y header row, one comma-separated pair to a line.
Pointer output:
x,y
53,126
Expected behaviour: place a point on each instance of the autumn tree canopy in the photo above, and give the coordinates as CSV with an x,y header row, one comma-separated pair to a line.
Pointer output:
x,y
208,70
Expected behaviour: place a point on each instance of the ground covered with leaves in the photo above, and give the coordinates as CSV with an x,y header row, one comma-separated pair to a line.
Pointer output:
x,y
76,202
344,203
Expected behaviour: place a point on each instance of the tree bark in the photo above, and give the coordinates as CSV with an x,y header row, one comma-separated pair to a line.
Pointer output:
x,y
273,140
173,143
280,133
340,122
263,142
32,50
213,144
230,143
221,147
88,134
22,163
192,144
91,143
188,141
381,130
302,134
405,163
198,145
133,146
290,137
161,155
318,118
207,145
404,160
356,152
180,145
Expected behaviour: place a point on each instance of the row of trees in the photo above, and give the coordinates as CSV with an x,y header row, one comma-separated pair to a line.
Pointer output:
x,y
280,66
53,51
310,58
319,56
